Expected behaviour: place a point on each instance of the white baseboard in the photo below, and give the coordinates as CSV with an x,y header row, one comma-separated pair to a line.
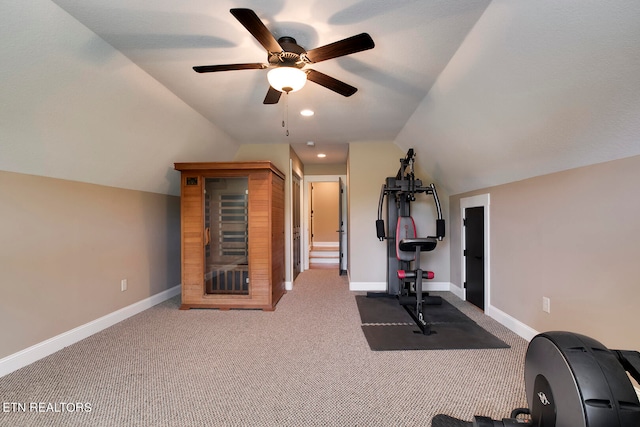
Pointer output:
x,y
43,349
367,286
436,286
38,351
458,291
512,323
382,286
288,286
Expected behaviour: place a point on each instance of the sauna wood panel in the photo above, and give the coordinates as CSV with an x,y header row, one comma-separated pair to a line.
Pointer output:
x,y
265,210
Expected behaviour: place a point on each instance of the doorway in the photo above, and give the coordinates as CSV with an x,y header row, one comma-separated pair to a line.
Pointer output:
x,y
324,214
475,274
474,255
325,222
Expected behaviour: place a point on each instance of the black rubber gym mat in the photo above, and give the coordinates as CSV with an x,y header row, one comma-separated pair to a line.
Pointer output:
x,y
385,309
388,327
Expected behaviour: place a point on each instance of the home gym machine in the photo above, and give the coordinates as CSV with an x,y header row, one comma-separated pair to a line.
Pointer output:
x,y
571,380
403,245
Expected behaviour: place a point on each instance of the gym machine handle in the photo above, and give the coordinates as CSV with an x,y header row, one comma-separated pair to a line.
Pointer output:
x,y
439,221
380,229
380,221
440,229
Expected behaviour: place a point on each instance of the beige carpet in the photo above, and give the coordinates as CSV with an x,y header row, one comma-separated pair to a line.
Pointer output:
x,y
305,364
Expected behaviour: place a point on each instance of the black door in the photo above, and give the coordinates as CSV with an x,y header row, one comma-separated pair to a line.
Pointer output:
x,y
474,255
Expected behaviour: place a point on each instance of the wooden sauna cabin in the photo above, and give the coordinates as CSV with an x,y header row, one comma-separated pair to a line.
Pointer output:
x,y
232,235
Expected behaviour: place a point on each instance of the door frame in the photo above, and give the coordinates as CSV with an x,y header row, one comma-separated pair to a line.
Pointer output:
x,y
481,200
306,184
295,177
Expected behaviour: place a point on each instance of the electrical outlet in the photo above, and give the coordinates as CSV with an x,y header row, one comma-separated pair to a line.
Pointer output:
x,y
123,285
546,304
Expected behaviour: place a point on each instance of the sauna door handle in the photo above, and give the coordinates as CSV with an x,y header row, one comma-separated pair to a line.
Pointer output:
x,y
207,236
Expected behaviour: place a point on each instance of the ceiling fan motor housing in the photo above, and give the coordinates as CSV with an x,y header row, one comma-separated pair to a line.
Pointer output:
x,y
291,55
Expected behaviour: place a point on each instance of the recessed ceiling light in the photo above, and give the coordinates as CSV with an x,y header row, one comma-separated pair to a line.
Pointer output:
x,y
307,113
322,155
310,143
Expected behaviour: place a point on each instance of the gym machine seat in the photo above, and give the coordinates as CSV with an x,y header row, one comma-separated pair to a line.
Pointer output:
x,y
425,244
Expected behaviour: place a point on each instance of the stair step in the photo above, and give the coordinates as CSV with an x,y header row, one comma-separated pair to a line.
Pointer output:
x,y
335,261
324,254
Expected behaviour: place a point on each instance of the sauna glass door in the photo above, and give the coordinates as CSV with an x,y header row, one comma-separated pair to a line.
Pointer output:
x,y
226,251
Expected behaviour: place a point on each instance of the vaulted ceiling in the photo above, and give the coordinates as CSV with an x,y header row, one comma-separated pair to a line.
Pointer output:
x,y
414,41
487,91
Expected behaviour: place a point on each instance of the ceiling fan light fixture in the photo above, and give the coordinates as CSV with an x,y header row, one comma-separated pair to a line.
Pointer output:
x,y
287,79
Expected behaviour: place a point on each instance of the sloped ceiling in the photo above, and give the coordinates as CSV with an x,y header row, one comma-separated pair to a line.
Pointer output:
x,y
486,92
537,87
414,41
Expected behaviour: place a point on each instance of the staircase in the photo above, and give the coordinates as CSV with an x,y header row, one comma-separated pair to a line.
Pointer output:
x,y
326,255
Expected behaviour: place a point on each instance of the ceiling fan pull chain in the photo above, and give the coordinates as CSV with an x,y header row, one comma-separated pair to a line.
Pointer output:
x,y
283,115
286,113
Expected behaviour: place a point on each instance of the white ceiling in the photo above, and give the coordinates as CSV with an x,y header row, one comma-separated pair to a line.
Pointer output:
x,y
487,92
414,42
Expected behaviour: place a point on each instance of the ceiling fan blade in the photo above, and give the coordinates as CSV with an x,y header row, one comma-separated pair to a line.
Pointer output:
x,y
330,83
273,96
256,27
228,67
347,46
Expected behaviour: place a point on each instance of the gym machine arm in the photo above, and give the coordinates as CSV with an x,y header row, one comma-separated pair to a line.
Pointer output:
x,y
405,186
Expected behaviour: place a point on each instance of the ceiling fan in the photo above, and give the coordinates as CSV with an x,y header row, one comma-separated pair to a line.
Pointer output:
x,y
285,56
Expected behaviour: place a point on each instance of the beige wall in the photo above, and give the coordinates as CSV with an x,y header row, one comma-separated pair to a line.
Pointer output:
x,y
296,164
572,236
325,169
65,246
278,154
324,203
92,117
369,164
